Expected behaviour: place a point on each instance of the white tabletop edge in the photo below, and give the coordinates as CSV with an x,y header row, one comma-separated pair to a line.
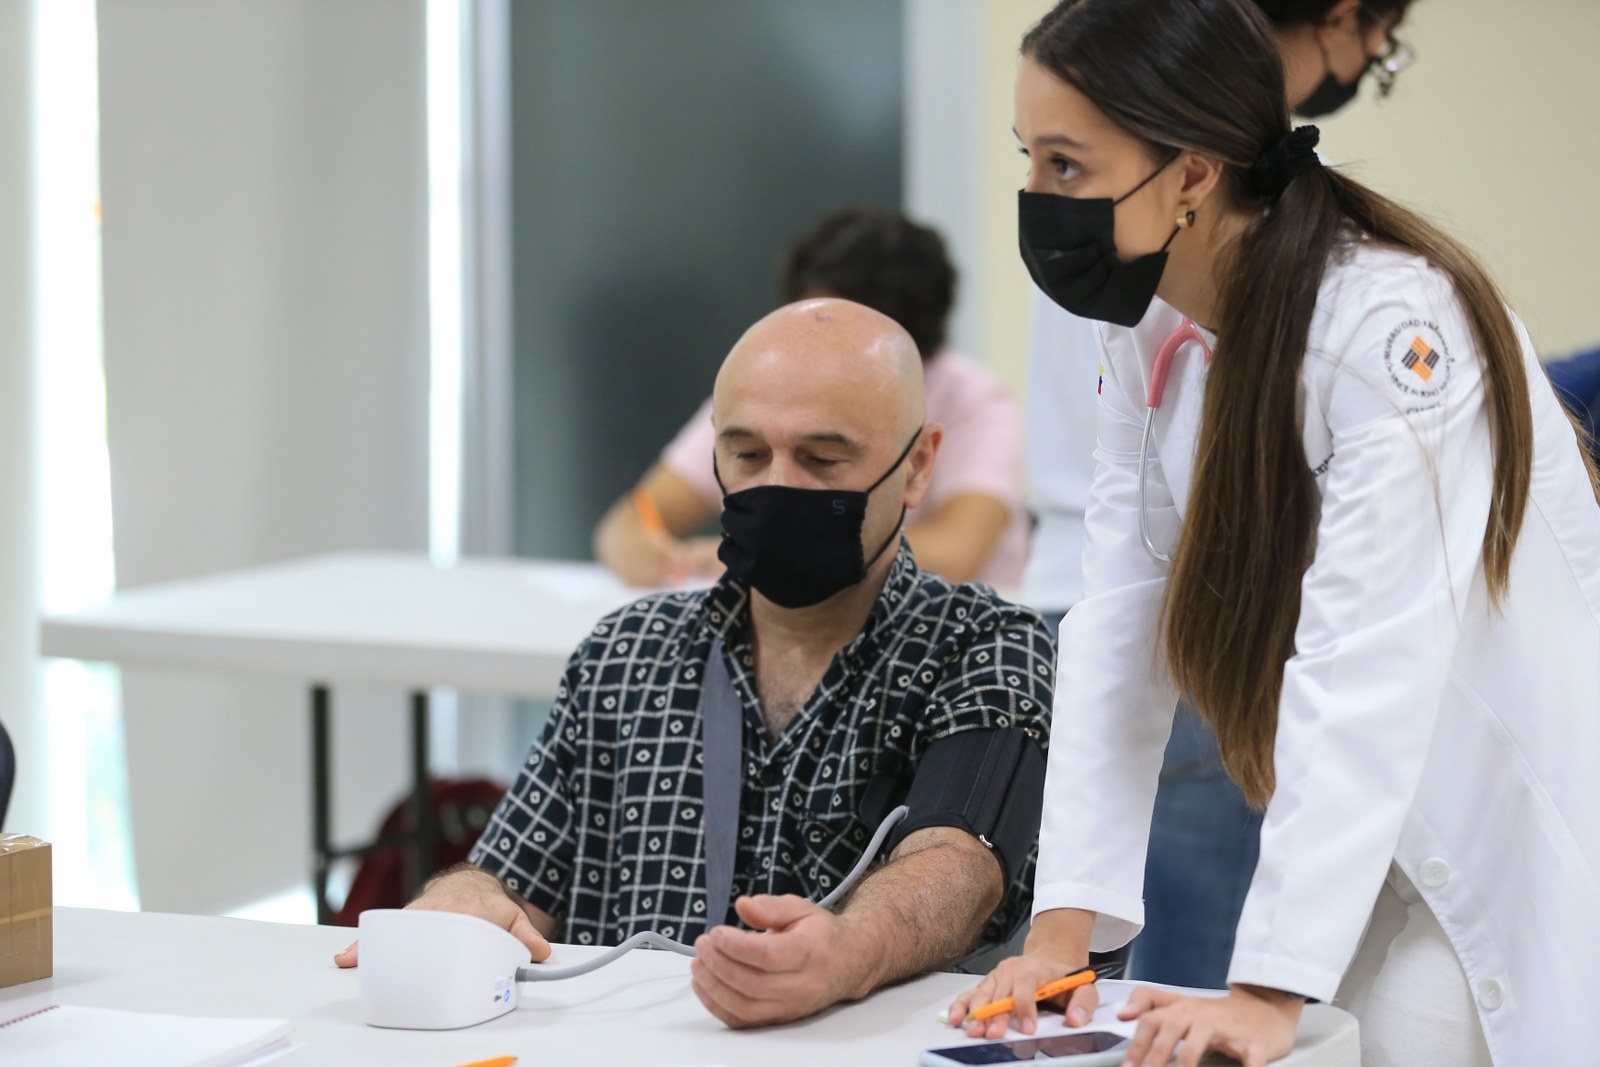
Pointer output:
x,y
419,666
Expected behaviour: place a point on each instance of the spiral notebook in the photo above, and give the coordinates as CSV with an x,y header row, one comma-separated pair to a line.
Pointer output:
x,y
67,1034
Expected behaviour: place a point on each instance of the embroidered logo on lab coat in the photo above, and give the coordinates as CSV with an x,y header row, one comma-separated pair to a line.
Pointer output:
x,y
1417,359
1421,359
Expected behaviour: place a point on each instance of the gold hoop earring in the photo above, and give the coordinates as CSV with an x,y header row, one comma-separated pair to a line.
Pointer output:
x,y
1185,219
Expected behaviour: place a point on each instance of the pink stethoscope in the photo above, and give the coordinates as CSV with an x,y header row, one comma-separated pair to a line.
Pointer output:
x,y
1187,331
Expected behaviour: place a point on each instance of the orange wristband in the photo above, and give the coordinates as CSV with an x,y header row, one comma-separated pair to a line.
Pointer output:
x,y
648,513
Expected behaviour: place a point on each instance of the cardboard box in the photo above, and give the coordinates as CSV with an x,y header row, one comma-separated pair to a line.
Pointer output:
x,y
26,941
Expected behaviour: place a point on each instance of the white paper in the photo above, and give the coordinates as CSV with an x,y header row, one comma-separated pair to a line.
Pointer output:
x,y
588,584
69,1034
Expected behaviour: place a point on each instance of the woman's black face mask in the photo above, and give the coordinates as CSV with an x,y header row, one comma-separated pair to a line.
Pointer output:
x,y
798,547
1069,246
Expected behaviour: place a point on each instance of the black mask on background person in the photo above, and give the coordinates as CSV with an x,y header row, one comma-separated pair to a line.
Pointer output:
x,y
1069,246
798,547
1331,94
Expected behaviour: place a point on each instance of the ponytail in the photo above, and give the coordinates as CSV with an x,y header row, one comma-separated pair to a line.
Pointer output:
x,y
1233,601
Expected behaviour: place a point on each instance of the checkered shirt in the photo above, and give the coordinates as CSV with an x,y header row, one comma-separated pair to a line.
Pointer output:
x,y
603,827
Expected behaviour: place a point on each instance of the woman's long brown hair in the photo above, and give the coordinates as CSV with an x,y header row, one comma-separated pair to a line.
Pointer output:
x,y
1205,75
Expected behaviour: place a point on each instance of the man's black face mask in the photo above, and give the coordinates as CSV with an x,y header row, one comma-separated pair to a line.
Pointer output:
x,y
798,547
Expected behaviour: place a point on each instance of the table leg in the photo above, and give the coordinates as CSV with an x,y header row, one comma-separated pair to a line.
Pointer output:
x,y
321,813
419,846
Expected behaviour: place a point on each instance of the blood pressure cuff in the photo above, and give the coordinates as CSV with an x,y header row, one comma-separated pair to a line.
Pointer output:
x,y
989,783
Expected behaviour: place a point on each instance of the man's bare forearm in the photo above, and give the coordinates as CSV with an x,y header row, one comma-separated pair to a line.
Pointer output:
x,y
922,910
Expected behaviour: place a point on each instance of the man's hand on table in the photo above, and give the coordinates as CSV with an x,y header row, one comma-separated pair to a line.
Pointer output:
x,y
801,965
469,891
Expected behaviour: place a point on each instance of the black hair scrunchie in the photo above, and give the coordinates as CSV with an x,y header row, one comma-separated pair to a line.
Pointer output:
x,y
1282,163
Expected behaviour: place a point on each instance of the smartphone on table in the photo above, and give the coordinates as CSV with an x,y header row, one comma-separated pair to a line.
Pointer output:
x,y
1090,1048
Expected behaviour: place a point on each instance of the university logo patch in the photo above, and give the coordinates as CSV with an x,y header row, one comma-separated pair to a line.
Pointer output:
x,y
1417,359
1420,359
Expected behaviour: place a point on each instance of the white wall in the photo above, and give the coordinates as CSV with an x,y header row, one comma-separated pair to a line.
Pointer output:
x,y
264,187
944,126
962,170
1493,134
20,706
1006,286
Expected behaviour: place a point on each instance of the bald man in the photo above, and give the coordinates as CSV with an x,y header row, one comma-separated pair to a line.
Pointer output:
x,y
716,761
972,523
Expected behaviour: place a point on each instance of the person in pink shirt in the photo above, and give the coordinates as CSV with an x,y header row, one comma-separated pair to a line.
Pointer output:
x,y
971,526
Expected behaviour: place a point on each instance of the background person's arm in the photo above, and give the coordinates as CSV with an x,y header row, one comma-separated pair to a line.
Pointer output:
x,y
643,557
978,487
956,540
920,911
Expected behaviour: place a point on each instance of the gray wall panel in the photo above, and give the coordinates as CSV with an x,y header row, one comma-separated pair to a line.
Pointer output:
x,y
664,155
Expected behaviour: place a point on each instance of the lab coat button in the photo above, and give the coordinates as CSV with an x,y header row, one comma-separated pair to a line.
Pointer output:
x,y
1434,873
1491,994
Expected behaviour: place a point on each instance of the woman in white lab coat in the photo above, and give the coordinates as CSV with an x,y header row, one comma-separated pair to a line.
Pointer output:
x,y
1383,590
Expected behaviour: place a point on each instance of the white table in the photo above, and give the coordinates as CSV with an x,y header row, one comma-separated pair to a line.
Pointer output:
x,y
485,625
639,1011
500,625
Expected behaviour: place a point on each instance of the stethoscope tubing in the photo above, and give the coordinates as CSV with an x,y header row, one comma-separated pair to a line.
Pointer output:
x,y
1187,331
1144,459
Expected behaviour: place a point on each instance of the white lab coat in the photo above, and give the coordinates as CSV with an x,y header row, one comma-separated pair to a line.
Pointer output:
x,y
1063,351
1417,725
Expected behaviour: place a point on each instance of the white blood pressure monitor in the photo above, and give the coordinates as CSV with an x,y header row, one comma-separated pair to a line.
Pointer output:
x,y
436,970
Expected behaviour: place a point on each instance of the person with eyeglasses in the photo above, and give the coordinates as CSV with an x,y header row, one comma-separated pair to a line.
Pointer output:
x,y
1329,46
1203,839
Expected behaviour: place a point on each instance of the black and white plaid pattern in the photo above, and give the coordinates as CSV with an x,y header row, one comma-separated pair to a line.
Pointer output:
x,y
603,825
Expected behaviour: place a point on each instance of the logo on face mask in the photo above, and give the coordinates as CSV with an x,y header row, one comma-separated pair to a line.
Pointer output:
x,y
798,547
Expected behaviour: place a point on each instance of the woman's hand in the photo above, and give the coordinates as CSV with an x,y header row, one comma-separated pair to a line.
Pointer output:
x,y
1019,978
1251,1024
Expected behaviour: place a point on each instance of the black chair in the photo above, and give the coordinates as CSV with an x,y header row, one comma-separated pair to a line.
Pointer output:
x,y
8,772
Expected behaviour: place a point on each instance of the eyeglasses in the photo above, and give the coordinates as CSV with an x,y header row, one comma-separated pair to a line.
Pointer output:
x,y
1396,56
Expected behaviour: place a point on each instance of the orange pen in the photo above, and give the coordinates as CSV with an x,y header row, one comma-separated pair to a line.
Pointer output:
x,y
498,1061
1045,992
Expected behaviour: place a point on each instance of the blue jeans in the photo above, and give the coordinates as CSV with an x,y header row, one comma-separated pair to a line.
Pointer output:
x,y
1203,843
